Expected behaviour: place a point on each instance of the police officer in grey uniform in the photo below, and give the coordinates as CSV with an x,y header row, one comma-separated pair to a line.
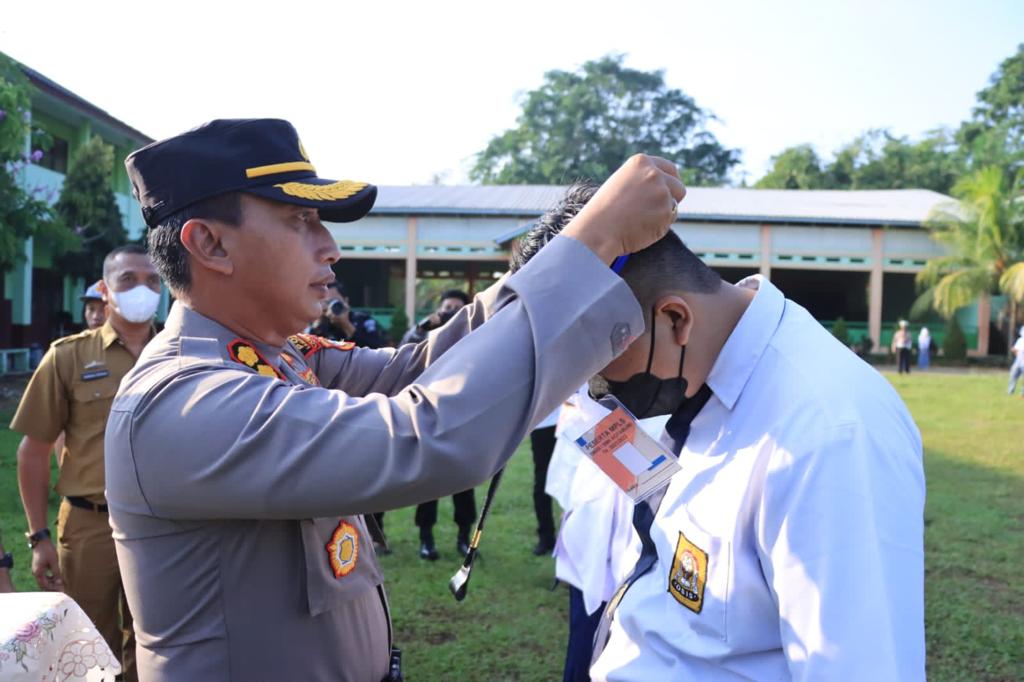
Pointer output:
x,y
241,456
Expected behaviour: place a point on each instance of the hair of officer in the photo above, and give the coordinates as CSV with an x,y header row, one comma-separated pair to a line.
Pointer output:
x,y
665,265
457,294
165,248
108,260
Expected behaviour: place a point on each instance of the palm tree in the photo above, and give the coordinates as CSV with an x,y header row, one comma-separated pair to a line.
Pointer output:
x,y
984,233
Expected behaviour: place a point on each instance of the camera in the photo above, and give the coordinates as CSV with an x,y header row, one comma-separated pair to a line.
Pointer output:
x,y
337,308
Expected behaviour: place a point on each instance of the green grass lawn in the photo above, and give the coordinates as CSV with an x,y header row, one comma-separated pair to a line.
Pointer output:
x,y
513,627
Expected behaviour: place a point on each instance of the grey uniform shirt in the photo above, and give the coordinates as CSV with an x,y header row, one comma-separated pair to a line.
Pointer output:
x,y
235,482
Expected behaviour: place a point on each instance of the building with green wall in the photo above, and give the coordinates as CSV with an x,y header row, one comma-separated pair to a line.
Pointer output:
x,y
38,302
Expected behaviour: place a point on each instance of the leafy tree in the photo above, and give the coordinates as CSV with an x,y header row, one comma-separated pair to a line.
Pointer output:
x,y
954,345
879,160
984,234
995,133
399,324
796,167
874,160
840,331
586,123
23,211
87,206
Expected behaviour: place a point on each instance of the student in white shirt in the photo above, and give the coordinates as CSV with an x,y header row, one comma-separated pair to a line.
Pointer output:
x,y
1017,368
790,544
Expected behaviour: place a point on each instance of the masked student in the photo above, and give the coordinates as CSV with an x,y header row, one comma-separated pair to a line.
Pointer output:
x,y
790,543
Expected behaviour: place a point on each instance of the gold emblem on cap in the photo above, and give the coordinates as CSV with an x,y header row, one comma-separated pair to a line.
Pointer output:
x,y
343,189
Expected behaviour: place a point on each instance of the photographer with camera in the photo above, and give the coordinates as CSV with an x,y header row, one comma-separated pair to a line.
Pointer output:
x,y
451,301
339,322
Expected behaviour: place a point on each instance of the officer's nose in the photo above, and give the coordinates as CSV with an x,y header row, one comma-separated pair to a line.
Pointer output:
x,y
327,247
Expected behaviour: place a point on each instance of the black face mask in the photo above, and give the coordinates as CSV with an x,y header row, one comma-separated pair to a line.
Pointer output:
x,y
644,394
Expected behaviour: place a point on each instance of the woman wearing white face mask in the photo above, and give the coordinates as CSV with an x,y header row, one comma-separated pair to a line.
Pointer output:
x,y
71,392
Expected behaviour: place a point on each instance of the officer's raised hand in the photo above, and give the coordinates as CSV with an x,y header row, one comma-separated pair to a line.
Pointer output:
x,y
633,209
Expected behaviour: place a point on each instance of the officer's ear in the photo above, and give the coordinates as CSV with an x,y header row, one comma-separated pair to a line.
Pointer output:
x,y
679,311
101,286
203,240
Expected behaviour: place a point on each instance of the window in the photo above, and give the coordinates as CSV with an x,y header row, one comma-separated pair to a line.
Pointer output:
x,y
56,157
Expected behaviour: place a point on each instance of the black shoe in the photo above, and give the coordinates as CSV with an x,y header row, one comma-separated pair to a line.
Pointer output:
x,y
462,547
544,547
427,552
381,549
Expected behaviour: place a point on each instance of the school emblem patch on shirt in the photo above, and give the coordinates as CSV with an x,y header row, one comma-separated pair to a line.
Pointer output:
x,y
246,354
688,575
343,549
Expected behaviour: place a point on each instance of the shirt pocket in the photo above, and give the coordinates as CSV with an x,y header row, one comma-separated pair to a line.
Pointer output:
x,y
92,399
340,562
698,578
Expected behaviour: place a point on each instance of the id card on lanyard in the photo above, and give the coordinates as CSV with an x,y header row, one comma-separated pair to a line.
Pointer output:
x,y
635,461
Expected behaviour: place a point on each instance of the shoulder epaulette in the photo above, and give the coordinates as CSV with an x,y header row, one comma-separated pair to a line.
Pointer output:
x,y
72,337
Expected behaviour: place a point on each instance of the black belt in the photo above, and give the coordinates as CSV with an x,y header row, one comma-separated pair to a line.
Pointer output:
x,y
83,503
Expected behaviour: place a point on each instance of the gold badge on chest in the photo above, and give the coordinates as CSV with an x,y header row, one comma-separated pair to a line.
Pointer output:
x,y
688,575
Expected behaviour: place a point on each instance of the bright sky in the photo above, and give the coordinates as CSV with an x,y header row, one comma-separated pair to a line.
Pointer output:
x,y
400,92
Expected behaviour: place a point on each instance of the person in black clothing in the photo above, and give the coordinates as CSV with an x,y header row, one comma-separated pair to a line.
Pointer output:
x,y
340,323
542,443
465,502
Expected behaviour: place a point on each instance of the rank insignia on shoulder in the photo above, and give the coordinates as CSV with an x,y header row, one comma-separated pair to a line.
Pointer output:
x,y
688,575
343,549
246,354
307,374
308,344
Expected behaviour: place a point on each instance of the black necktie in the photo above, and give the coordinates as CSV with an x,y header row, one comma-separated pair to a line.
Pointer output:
x,y
678,429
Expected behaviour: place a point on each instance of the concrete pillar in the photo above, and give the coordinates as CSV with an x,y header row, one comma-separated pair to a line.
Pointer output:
x,y
410,270
18,287
875,287
766,251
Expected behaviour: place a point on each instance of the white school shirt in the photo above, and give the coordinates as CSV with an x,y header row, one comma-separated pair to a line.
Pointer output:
x,y
795,526
597,546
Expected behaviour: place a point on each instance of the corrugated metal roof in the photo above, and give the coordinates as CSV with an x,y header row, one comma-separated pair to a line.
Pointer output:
x,y
900,207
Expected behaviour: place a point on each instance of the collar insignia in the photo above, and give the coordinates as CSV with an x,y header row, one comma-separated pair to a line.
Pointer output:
x,y
246,354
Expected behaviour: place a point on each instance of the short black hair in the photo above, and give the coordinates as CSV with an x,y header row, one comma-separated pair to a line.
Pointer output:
x,y
108,260
457,294
165,247
667,264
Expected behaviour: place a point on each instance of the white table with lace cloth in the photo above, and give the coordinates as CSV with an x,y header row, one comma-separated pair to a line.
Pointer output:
x,y
46,636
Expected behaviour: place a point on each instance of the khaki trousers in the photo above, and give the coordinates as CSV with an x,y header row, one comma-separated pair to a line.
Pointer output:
x,y
88,564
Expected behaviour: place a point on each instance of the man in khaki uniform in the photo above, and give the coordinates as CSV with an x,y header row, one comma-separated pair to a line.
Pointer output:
x,y
71,392
241,456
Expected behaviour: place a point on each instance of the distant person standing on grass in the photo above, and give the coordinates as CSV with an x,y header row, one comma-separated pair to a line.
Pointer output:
x,y
924,348
1017,368
902,344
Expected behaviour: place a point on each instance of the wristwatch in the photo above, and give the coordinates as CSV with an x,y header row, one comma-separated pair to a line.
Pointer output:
x,y
7,561
37,537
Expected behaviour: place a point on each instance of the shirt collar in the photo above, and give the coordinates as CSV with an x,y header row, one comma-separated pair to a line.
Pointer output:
x,y
747,343
183,321
108,334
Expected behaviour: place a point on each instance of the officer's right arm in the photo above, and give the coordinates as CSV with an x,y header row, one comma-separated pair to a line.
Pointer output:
x,y
228,443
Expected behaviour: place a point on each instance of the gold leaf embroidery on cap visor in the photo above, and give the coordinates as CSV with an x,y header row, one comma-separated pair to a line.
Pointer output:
x,y
343,189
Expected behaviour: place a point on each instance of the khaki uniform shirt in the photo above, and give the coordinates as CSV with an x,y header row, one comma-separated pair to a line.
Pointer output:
x,y
71,391
235,483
